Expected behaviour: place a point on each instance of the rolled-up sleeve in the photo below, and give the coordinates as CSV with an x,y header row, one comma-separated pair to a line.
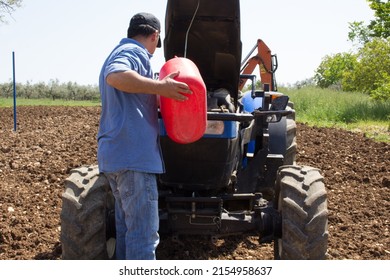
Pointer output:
x,y
121,62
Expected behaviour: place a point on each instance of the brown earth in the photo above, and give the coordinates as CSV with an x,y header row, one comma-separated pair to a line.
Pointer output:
x,y
49,141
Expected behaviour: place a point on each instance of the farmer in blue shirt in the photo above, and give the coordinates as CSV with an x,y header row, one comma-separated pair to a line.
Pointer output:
x,y
128,146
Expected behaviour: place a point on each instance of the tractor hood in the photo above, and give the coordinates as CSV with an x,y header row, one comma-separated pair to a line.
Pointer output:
x,y
213,41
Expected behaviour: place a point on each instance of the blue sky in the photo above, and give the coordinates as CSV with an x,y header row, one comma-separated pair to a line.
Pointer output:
x,y
69,40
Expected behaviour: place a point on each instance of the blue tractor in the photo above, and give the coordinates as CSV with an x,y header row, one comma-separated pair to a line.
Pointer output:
x,y
240,177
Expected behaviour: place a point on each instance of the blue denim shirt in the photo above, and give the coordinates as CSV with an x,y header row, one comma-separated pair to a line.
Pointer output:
x,y
128,131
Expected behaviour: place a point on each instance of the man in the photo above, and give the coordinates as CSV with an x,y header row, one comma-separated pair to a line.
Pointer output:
x,y
128,146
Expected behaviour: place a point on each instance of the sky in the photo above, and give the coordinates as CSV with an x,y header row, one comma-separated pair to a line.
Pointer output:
x,y
69,40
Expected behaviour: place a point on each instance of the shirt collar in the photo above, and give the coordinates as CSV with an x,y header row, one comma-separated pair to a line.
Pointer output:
x,y
132,41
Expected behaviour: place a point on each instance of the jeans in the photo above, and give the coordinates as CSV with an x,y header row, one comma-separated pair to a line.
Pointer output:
x,y
136,214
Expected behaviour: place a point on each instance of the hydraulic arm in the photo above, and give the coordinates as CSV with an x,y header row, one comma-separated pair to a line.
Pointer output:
x,y
267,66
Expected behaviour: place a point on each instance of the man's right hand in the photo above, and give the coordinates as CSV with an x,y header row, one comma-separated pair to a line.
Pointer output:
x,y
174,89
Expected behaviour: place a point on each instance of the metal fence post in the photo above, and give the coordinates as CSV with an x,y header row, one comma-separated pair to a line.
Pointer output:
x,y
14,85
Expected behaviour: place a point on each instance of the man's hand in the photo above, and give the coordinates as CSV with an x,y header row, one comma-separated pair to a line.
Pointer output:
x,y
173,89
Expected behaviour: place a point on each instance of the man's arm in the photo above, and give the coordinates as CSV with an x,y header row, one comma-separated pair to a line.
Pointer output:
x,y
132,82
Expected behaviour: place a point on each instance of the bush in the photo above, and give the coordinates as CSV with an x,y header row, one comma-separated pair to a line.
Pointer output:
x,y
332,69
371,75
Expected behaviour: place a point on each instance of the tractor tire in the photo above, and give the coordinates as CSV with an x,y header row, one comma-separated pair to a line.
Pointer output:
x,y
301,201
282,137
86,205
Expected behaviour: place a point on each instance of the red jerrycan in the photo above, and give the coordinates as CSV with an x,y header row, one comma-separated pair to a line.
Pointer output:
x,y
185,121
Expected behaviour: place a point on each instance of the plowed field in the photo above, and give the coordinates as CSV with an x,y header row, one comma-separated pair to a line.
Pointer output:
x,y
50,141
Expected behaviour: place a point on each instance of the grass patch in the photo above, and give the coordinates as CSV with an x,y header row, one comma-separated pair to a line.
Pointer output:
x,y
8,102
375,130
351,111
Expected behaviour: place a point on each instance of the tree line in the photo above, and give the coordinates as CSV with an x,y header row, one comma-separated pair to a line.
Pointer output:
x,y
52,90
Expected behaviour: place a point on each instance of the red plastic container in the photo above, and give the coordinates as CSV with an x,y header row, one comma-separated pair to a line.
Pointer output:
x,y
185,121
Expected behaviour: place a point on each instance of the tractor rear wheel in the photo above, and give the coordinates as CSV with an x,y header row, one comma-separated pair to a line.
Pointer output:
x,y
301,201
87,204
282,137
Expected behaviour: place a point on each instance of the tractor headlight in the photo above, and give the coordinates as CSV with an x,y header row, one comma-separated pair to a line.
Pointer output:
x,y
215,127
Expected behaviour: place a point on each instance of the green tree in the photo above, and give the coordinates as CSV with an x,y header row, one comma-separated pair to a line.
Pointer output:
x,y
332,68
6,90
380,26
382,89
368,70
372,71
359,34
40,90
8,7
54,91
